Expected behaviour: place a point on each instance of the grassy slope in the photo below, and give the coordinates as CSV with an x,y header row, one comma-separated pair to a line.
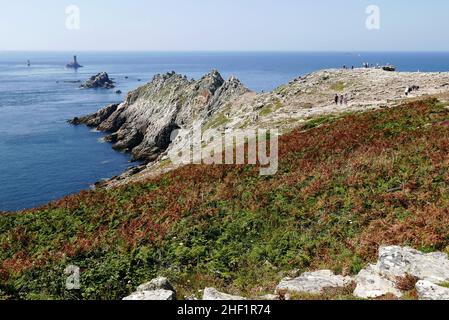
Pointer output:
x,y
342,189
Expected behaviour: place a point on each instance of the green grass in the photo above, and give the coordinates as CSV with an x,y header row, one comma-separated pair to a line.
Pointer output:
x,y
217,121
270,108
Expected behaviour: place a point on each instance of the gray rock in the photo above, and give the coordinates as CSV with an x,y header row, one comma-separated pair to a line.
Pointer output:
x,y
370,284
397,261
314,282
144,122
394,262
159,283
213,294
430,291
151,295
100,80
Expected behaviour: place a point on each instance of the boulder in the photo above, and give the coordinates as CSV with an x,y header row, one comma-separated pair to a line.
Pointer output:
x,y
151,295
314,282
159,283
211,294
430,291
100,80
157,289
395,261
370,284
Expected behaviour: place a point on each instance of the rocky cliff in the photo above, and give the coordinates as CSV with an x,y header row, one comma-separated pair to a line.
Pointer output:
x,y
144,122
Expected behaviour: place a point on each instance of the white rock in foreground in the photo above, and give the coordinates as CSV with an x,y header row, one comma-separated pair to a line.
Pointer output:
x,y
314,282
379,279
430,291
157,289
153,295
371,284
156,284
213,294
397,261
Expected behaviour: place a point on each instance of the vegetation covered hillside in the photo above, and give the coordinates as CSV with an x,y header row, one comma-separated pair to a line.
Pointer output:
x,y
345,186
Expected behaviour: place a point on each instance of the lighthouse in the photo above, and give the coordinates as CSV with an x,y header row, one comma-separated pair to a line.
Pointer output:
x,y
74,64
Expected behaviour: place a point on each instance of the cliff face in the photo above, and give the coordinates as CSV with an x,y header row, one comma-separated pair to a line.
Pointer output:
x,y
143,123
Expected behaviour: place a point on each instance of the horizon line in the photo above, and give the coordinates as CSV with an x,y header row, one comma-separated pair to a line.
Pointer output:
x,y
228,51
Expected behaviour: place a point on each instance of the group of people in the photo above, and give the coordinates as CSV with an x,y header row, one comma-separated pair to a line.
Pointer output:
x,y
341,99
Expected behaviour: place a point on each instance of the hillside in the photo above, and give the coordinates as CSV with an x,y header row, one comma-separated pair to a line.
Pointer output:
x,y
143,123
346,184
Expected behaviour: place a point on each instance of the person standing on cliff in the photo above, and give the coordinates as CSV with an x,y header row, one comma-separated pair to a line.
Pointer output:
x,y
336,99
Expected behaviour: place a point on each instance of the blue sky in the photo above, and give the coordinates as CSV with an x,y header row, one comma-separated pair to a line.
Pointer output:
x,y
228,25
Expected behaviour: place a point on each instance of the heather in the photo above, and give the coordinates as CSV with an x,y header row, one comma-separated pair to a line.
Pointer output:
x,y
345,186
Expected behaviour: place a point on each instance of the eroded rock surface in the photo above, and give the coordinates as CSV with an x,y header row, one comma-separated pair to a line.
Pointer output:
x,y
100,80
157,289
314,282
430,291
213,294
153,295
159,283
395,262
144,123
370,284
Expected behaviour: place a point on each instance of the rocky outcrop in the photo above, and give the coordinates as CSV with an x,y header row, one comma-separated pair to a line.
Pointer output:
x,y
100,80
156,289
213,294
430,291
424,272
371,284
314,282
144,122
153,295
395,262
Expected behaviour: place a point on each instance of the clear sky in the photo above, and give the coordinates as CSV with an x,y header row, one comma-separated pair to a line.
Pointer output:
x,y
228,25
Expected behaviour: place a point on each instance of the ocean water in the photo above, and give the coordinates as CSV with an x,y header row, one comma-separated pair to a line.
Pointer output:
x,y
43,158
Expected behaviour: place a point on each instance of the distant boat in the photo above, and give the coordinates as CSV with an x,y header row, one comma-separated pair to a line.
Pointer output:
x,y
74,64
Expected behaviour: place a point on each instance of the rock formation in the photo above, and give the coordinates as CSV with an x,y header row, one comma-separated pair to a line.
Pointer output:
x,y
431,272
143,123
156,289
211,294
394,262
100,80
314,282
430,291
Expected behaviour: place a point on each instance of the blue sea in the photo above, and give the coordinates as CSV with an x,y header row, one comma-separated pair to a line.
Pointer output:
x,y
43,158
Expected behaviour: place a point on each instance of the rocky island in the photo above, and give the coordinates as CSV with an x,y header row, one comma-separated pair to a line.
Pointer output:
x,y
101,80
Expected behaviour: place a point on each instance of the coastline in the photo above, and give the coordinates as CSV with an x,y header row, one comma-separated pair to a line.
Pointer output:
x,y
285,108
